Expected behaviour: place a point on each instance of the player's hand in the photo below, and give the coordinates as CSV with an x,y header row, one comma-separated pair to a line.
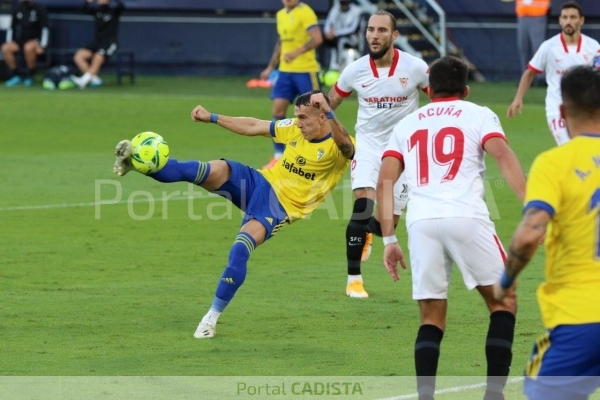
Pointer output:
x,y
39,49
266,72
317,100
392,254
291,56
516,105
199,114
503,294
330,35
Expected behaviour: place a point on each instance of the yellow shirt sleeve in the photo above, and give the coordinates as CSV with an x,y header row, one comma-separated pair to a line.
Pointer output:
x,y
283,130
543,184
308,18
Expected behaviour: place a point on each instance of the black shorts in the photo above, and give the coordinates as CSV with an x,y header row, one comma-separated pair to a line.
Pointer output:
x,y
21,42
107,49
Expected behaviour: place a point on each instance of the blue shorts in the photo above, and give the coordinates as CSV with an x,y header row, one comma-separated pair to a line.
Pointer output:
x,y
565,363
292,84
253,194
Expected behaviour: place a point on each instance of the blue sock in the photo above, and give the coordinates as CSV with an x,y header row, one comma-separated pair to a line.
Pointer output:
x,y
194,172
234,275
278,148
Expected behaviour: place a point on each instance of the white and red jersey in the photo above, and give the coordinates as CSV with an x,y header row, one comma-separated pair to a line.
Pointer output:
x,y
385,95
554,57
441,148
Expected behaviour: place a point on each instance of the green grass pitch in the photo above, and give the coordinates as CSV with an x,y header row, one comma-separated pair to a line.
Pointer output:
x,y
90,291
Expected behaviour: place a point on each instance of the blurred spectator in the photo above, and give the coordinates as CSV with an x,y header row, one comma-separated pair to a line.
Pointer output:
x,y
28,33
341,31
90,58
532,27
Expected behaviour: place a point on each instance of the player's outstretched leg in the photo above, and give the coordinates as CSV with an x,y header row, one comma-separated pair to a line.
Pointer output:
x,y
233,277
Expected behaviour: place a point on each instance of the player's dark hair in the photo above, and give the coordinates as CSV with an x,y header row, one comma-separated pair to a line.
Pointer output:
x,y
572,4
580,89
304,99
448,77
390,16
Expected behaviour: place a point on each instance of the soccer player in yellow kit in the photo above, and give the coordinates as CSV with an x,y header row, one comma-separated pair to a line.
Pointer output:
x,y
317,154
299,36
563,203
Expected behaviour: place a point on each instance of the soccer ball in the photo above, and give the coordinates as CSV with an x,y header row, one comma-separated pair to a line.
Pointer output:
x,y
330,78
150,152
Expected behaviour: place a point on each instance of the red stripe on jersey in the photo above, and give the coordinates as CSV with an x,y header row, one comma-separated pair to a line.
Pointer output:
x,y
579,42
395,154
341,92
502,253
564,43
490,136
438,99
373,68
425,90
392,67
534,69
394,62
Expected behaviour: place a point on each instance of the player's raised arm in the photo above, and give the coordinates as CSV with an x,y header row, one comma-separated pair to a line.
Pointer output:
x,y
339,133
241,125
334,99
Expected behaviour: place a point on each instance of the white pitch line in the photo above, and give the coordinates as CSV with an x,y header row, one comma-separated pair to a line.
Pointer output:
x,y
451,390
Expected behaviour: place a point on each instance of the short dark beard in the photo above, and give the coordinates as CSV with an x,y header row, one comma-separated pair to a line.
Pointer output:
x,y
378,54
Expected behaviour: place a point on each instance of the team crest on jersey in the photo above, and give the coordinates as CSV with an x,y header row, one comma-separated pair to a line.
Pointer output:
x,y
404,82
293,144
320,154
285,122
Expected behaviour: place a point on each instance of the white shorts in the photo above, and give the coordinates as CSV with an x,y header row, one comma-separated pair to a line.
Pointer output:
x,y
558,128
364,172
472,244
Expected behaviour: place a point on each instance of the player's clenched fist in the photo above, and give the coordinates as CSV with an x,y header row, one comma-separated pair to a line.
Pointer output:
x,y
199,114
317,100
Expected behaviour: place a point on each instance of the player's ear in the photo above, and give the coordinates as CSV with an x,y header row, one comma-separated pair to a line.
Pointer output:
x,y
466,92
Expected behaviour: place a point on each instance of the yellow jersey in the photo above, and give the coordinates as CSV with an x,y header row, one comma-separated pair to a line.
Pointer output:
x,y
307,171
565,181
292,27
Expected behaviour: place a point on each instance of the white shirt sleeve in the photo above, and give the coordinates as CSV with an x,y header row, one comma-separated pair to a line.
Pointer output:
x,y
490,126
345,83
540,59
424,73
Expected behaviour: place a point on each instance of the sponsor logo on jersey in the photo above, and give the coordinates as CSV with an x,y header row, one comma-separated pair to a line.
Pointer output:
x,y
301,161
285,122
296,169
293,144
269,220
386,101
403,82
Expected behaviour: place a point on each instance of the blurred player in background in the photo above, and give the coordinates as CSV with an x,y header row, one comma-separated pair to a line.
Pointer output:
x,y
299,36
556,55
28,33
341,31
563,199
316,159
387,83
441,149
90,59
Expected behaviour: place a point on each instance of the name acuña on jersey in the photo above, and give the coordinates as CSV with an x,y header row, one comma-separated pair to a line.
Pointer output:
x,y
296,168
386,101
